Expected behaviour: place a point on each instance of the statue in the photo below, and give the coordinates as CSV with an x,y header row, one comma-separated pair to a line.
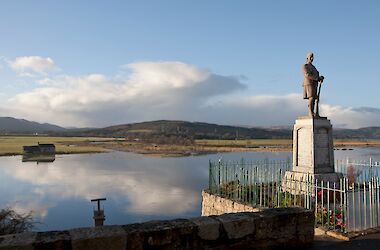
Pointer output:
x,y
310,85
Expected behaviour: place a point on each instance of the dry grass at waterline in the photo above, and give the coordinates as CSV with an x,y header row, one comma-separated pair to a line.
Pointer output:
x,y
287,143
198,147
12,145
247,143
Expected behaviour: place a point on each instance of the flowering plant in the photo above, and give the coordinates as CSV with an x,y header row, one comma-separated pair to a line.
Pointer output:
x,y
330,218
328,194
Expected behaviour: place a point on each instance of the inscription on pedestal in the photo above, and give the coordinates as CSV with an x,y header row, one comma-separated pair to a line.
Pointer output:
x,y
304,150
313,146
321,139
322,156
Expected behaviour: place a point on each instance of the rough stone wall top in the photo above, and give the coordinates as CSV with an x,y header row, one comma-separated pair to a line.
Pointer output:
x,y
280,227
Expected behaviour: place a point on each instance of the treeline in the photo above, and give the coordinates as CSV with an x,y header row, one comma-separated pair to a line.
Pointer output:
x,y
188,131
180,130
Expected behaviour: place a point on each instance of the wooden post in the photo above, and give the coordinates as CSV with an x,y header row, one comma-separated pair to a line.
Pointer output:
x,y
99,217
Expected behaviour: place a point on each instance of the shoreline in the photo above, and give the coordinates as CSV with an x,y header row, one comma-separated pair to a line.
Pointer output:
x,y
200,147
60,153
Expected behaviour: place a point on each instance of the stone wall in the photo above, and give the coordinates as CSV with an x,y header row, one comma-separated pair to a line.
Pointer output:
x,y
216,205
282,227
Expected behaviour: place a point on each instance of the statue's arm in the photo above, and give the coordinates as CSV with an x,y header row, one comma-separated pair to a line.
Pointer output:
x,y
309,74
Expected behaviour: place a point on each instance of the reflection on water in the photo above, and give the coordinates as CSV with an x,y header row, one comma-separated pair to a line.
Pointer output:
x,y
138,188
39,158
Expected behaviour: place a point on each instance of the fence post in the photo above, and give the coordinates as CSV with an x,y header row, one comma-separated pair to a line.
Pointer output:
x,y
328,204
219,178
279,193
342,203
334,205
316,200
365,205
344,214
370,203
209,177
377,201
353,206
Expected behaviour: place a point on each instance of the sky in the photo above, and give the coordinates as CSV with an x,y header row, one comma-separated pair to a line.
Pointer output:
x,y
100,63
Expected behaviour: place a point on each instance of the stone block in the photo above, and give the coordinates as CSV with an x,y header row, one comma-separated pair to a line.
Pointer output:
x,y
97,238
237,225
161,234
153,233
135,236
277,223
53,240
208,228
21,241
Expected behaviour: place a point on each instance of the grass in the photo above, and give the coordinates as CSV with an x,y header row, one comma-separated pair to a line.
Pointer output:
x,y
199,147
358,142
280,143
245,143
12,145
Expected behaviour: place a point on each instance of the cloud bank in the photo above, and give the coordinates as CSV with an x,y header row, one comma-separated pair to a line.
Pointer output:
x,y
27,65
162,90
152,90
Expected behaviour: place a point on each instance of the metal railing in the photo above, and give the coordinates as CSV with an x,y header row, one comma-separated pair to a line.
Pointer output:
x,y
358,170
345,206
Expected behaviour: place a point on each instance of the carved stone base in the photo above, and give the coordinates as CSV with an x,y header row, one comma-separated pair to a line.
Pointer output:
x,y
313,149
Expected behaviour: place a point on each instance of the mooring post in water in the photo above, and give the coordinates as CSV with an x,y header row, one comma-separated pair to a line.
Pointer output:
x,y
99,217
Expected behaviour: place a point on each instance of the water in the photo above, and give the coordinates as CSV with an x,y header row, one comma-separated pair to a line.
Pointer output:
x,y
137,187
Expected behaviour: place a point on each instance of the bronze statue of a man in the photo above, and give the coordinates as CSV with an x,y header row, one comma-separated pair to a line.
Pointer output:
x,y
310,84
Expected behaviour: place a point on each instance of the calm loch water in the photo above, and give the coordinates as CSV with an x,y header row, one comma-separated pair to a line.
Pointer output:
x,y
137,187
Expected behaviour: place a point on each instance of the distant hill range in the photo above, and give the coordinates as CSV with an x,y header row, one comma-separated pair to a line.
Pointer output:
x,y
361,133
165,128
21,126
191,130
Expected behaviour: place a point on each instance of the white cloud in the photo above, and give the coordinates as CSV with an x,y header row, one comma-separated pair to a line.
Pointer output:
x,y
153,90
165,74
349,117
27,65
167,90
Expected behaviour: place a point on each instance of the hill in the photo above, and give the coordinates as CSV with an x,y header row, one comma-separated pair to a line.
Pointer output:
x,y
13,125
201,130
164,129
361,133
183,129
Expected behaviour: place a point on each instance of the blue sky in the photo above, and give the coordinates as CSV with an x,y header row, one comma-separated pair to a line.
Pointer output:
x,y
258,45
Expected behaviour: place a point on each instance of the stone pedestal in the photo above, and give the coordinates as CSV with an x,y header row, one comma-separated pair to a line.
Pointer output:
x,y
313,151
